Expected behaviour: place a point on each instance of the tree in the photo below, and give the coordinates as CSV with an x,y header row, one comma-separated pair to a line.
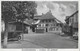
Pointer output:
x,y
16,10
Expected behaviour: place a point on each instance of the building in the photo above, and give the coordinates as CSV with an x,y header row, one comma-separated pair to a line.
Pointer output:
x,y
14,27
48,23
72,22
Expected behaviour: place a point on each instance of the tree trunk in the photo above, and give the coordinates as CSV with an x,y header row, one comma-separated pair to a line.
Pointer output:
x,y
22,31
5,36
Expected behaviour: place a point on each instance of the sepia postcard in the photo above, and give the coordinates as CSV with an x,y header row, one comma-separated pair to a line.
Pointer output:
x,y
43,25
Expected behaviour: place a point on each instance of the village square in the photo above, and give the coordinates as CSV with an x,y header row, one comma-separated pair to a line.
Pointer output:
x,y
26,25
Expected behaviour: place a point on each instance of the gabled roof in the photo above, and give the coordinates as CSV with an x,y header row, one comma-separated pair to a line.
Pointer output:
x,y
48,15
37,16
29,22
18,23
26,22
71,15
58,21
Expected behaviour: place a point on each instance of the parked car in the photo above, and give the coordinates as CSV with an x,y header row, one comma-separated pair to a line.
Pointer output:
x,y
75,35
14,36
2,36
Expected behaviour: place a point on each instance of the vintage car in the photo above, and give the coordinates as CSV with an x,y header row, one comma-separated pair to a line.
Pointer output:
x,y
14,36
15,31
75,35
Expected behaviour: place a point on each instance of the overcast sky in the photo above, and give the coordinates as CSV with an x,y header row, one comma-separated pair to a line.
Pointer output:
x,y
60,9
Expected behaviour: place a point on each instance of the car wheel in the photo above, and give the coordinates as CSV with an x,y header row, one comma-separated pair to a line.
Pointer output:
x,y
19,38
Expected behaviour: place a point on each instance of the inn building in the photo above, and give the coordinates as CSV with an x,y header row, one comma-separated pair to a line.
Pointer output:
x,y
48,23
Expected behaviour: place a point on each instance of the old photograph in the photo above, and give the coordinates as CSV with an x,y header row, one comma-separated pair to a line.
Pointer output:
x,y
39,24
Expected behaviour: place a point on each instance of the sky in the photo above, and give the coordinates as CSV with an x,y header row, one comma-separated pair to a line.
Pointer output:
x,y
59,9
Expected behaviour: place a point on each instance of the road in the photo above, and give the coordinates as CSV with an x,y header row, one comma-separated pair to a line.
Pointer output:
x,y
46,40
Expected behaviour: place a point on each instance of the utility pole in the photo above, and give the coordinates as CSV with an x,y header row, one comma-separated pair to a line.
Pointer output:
x,y
5,40
22,30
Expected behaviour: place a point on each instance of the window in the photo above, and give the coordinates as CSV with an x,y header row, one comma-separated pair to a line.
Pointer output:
x,y
49,20
52,20
46,24
52,24
56,24
46,21
53,29
42,25
39,25
42,21
56,28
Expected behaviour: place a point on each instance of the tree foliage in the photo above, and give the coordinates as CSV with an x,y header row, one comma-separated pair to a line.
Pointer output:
x,y
12,10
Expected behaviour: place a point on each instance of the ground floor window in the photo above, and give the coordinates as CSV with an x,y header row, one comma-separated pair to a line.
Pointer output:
x,y
52,29
57,29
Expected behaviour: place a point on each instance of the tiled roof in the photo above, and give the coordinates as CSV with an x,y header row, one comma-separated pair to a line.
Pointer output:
x,y
48,15
26,22
71,15
29,22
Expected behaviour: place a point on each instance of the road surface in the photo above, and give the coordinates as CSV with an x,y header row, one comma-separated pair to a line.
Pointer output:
x,y
45,40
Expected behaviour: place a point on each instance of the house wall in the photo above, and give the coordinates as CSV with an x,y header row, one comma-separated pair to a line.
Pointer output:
x,y
73,23
54,29
71,20
76,18
11,27
49,26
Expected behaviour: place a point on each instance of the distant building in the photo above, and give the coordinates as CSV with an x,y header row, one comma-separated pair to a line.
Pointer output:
x,y
48,23
72,22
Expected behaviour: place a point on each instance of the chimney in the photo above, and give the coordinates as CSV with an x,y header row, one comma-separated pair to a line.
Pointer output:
x,y
49,11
